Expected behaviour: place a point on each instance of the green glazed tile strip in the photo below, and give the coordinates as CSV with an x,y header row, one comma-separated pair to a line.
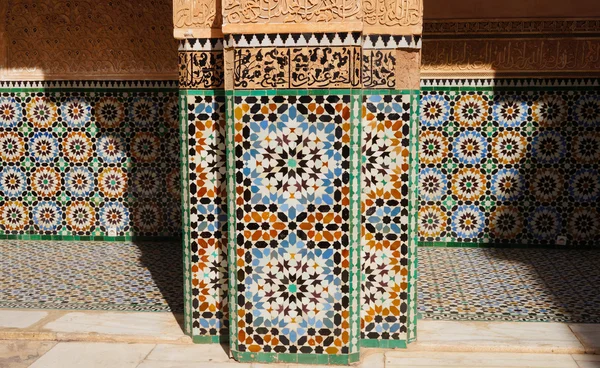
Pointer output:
x,y
355,217
413,212
231,221
185,214
323,359
383,344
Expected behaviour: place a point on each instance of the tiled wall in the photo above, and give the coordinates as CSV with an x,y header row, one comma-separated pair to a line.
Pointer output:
x,y
502,165
389,116
96,160
285,285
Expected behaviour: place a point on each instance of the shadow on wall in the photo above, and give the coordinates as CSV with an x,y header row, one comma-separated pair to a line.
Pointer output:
x,y
90,164
516,167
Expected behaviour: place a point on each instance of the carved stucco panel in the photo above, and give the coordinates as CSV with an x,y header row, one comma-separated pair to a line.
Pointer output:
x,y
510,56
291,16
197,18
90,39
393,16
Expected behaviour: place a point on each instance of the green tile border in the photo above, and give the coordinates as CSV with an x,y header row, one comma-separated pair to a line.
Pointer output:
x,y
209,339
231,220
413,208
356,103
383,344
249,357
185,214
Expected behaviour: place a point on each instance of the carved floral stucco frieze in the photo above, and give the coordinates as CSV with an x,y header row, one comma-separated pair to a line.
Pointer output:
x,y
393,16
291,16
197,18
511,56
90,39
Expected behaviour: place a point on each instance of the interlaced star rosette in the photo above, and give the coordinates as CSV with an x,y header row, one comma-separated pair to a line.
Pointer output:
x,y
112,182
114,215
470,147
294,291
585,185
509,147
147,217
143,111
45,181
432,184
42,112
471,110
507,184
145,147
547,185
77,147
171,113
109,112
77,112
12,181
550,110
47,216
506,223
14,216
544,223
43,147
587,110
468,184
548,147
378,157
432,221
510,111
79,182
295,161
433,147
110,149
468,221
173,183
12,147
10,112
435,110
80,216
382,286
586,148
584,224
385,218
146,182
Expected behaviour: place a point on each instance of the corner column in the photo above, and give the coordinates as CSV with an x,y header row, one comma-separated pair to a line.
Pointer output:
x,y
390,66
293,140
202,123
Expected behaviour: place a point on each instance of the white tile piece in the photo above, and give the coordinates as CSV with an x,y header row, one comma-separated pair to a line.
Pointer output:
x,y
93,355
589,335
404,359
19,318
189,353
21,354
163,325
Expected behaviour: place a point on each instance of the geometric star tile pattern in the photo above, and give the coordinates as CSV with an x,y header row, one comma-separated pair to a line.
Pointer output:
x,y
509,284
119,276
385,206
292,242
90,164
511,166
207,213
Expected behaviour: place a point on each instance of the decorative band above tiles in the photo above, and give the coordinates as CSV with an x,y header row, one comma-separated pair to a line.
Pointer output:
x,y
495,28
379,41
294,39
201,69
201,44
306,67
391,42
512,82
87,84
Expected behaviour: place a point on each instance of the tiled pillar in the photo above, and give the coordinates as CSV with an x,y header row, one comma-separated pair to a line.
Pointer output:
x,y
202,121
389,200
293,166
